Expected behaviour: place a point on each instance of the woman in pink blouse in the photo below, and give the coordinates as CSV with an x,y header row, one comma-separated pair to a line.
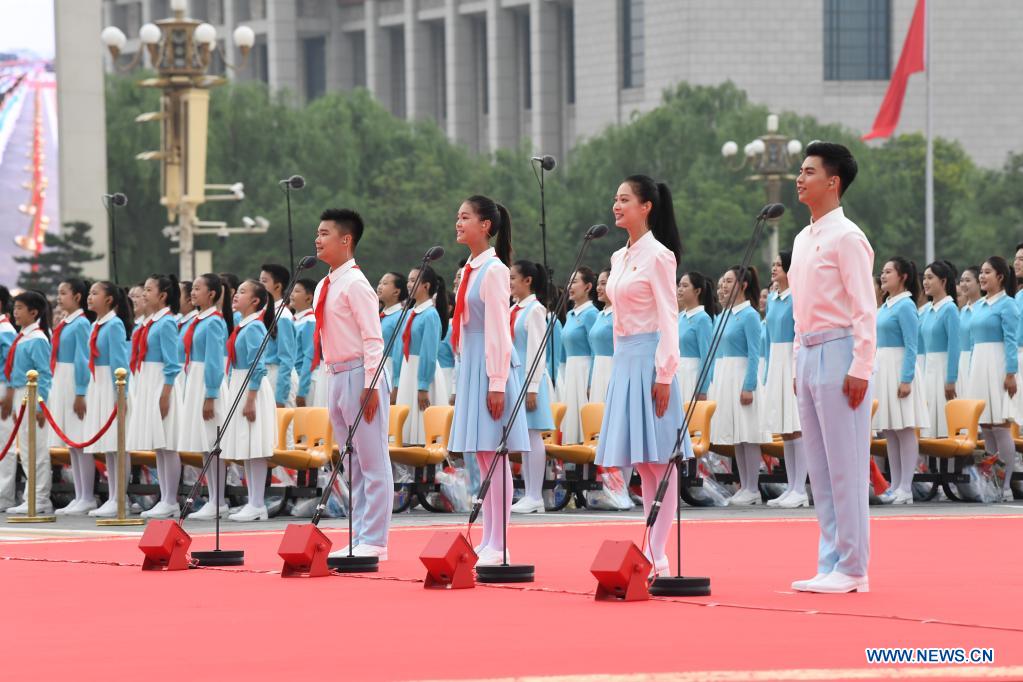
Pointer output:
x,y
643,409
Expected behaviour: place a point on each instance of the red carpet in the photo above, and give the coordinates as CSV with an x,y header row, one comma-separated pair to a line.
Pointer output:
x,y
936,582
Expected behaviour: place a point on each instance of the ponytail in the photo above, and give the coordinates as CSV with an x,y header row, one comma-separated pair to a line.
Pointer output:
x,y
169,286
122,306
588,277
942,269
907,269
662,212
263,298
79,287
500,224
708,297
538,279
430,278
215,284
35,300
752,282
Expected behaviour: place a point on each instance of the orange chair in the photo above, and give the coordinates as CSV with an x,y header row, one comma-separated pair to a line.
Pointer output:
x,y
558,411
591,415
699,426
313,439
437,428
963,423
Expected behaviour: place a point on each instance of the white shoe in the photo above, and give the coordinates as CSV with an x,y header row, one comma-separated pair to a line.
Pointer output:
x,y
250,513
660,569
528,506
162,510
83,507
839,583
208,512
371,550
744,498
107,510
479,548
63,511
339,553
902,497
794,501
804,585
492,557
1007,496
778,500
887,496
42,507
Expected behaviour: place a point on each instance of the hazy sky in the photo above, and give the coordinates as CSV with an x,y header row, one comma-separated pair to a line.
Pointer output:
x,y
27,24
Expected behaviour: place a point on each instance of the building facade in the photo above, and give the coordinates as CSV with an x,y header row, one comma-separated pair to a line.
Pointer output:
x,y
493,73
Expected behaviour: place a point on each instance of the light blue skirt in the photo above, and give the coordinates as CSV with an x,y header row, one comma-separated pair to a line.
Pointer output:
x,y
540,419
473,429
631,432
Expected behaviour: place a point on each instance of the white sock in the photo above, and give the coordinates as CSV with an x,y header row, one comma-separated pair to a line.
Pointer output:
x,y
255,480
650,475
1006,452
987,433
84,467
111,458
909,454
753,460
168,468
894,458
216,478
534,466
790,466
799,466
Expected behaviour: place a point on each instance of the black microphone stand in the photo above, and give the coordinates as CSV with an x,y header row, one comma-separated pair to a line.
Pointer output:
x,y
111,203
543,235
505,572
679,585
219,557
352,563
291,237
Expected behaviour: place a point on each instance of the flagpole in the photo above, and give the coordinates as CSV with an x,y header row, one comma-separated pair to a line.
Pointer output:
x,y
929,172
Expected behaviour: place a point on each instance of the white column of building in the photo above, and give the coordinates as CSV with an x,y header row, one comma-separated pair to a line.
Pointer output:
x,y
378,56
598,63
339,54
282,45
544,45
419,91
461,104
503,103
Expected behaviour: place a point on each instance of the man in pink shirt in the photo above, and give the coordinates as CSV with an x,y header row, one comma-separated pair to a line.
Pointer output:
x,y
348,334
835,322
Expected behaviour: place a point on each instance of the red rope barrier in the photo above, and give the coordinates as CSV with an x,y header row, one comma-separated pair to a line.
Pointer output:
x,y
14,433
63,436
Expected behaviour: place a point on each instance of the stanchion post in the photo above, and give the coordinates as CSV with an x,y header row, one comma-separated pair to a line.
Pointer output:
x,y
31,410
121,380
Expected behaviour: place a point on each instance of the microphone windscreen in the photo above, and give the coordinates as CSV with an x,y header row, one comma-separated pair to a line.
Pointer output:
x,y
548,162
596,232
307,262
774,211
435,253
296,182
119,199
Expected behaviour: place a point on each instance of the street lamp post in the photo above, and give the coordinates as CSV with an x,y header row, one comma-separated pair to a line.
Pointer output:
x,y
181,51
771,157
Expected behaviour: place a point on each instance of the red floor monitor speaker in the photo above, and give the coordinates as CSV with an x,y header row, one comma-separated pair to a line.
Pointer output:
x,y
165,545
449,561
621,571
304,549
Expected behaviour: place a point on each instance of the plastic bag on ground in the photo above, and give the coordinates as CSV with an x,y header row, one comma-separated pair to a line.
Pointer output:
x,y
454,487
613,495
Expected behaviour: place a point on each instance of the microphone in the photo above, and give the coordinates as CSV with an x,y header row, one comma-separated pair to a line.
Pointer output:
x,y
306,263
772,211
117,199
435,253
294,182
547,162
596,232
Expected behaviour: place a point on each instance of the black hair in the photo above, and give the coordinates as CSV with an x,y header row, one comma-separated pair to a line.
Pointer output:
x,y
535,272
307,284
35,300
346,221
837,160
1019,246
122,306
708,296
942,269
662,212
263,299
231,283
6,302
973,270
436,283
589,277
278,273
1001,266
400,283
907,268
786,260
168,284
216,285
500,224
80,287
752,282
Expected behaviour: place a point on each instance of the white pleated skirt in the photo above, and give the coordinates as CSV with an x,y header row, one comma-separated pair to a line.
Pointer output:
x,y
147,430
61,403
195,434
781,413
935,371
101,399
894,412
576,394
243,439
734,422
964,373
987,382
318,387
603,365
449,380
688,373
414,432
271,376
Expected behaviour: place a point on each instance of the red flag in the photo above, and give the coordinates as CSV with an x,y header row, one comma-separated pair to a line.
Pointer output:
x,y
912,60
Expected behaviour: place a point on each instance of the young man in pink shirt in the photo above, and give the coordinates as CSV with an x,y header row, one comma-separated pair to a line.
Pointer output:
x,y
348,334
831,279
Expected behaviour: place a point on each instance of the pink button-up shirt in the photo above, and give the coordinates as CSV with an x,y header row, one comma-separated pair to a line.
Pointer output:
x,y
832,285
641,288
495,290
351,327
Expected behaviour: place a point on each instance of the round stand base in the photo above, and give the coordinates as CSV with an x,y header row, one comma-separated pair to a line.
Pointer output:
x,y
505,573
219,557
680,586
354,564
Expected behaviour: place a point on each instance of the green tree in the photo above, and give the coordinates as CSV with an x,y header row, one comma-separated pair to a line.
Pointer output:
x,y
62,257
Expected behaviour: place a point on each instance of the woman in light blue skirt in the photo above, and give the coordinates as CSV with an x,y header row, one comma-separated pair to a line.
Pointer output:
x,y
643,407
487,385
